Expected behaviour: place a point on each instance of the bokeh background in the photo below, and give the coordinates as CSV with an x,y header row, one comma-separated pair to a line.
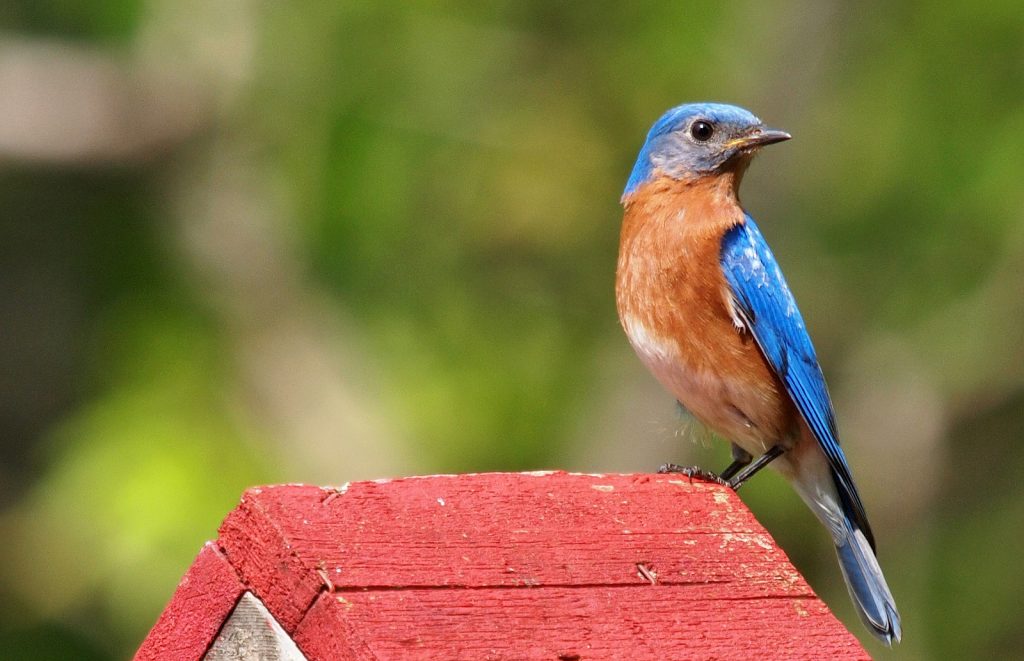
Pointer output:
x,y
246,242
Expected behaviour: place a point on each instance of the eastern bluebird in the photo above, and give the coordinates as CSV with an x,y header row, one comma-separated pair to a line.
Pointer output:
x,y
706,308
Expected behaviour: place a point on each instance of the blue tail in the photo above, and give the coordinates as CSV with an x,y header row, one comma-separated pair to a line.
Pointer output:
x,y
847,522
866,584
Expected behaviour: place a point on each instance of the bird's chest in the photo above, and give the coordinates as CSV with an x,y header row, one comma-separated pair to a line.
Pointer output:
x,y
675,311
675,306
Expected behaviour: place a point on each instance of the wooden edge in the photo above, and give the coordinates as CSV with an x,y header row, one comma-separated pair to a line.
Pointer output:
x,y
257,548
203,600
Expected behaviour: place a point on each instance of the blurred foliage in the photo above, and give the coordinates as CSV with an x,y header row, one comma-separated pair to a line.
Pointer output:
x,y
385,244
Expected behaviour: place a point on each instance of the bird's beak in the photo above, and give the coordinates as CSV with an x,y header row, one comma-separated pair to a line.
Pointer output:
x,y
759,138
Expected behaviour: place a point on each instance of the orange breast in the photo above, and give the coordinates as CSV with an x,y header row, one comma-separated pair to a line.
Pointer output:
x,y
674,304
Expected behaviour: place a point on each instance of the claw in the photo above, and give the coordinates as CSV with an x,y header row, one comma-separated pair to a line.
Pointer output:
x,y
694,472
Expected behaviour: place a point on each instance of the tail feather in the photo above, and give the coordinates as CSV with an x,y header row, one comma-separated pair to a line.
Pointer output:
x,y
864,580
867,586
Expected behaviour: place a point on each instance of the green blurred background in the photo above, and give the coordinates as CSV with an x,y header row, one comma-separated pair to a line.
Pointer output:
x,y
248,242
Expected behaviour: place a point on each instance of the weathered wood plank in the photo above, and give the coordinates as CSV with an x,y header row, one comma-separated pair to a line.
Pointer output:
x,y
498,530
204,598
547,624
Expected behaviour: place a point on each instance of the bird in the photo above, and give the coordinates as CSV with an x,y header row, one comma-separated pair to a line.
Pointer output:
x,y
706,308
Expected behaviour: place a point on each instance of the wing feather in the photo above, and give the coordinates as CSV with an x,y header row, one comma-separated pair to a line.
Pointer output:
x,y
760,292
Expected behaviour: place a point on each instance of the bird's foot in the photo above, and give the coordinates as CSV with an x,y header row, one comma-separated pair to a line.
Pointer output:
x,y
695,472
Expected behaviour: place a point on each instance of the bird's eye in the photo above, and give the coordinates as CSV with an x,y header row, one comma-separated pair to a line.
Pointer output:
x,y
702,130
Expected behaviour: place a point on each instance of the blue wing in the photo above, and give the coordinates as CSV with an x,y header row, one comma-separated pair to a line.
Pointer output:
x,y
770,312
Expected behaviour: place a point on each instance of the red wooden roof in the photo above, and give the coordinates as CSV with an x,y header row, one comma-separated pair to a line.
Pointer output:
x,y
505,566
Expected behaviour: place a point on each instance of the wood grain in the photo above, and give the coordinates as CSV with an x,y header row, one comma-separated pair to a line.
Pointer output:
x,y
525,566
203,600
597,622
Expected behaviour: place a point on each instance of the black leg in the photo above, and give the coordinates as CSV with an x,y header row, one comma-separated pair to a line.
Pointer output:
x,y
740,458
772,454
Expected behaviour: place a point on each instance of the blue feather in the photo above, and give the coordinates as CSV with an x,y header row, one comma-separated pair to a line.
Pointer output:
x,y
770,311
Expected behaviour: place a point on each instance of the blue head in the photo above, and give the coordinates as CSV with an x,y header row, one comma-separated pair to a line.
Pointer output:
x,y
699,139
